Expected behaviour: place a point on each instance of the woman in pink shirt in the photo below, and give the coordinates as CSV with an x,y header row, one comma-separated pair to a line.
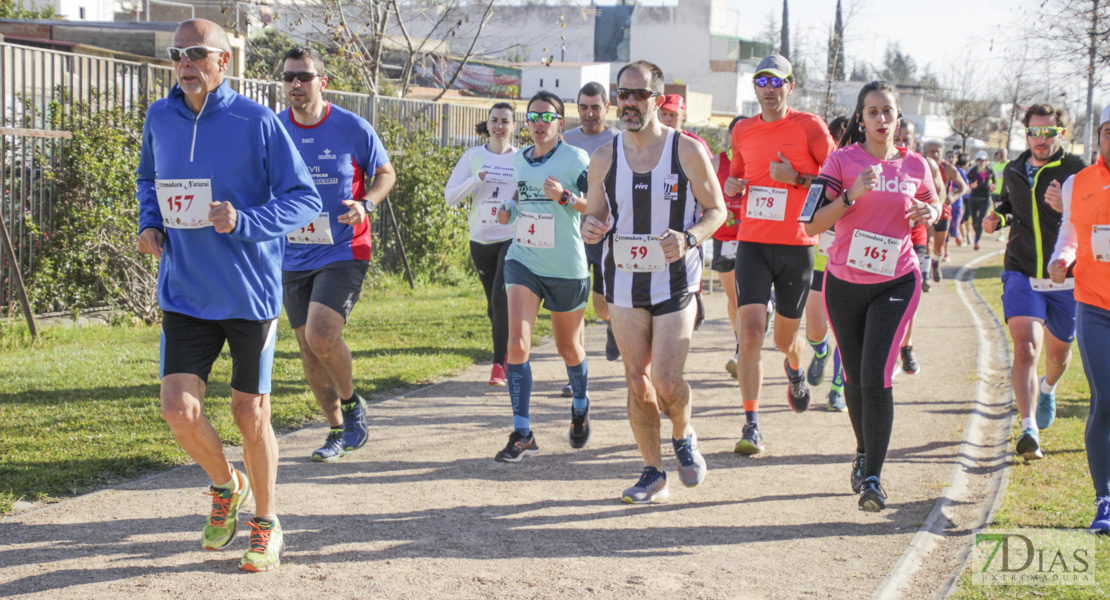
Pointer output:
x,y
873,192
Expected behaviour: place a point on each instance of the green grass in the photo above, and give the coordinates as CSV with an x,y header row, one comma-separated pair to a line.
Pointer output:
x,y
1051,493
79,408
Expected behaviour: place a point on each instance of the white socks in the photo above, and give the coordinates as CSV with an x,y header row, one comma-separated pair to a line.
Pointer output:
x,y
1045,388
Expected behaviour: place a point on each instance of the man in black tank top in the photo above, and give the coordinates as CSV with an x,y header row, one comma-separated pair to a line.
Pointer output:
x,y
653,197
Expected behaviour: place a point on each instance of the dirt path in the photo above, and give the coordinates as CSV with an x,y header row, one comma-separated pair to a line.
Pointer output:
x,y
424,511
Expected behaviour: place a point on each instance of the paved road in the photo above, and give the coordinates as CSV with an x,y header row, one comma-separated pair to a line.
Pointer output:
x,y
424,511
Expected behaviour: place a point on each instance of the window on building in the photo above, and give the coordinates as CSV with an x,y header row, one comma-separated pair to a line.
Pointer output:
x,y
81,12
541,83
556,83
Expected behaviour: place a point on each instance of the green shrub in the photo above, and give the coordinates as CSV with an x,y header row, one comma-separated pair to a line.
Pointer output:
x,y
90,256
435,237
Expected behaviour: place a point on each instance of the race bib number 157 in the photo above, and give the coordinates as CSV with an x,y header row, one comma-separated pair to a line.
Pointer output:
x,y
184,202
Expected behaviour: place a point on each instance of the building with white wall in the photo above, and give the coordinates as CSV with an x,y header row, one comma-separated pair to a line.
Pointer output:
x,y
696,42
563,79
76,10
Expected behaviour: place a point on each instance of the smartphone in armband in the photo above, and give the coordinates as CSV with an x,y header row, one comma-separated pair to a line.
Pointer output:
x,y
813,199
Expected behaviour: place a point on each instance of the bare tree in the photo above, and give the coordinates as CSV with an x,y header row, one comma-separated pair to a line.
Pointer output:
x,y
965,109
1076,33
375,34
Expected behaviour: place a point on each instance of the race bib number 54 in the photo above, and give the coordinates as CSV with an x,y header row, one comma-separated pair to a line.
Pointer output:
x,y
316,232
184,202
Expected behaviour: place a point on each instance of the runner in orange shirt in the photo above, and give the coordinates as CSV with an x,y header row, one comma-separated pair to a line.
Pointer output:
x,y
775,157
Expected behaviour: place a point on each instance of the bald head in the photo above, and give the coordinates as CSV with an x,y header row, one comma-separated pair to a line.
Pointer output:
x,y
201,32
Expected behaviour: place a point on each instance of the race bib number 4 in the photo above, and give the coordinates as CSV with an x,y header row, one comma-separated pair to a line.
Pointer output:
x,y
638,253
535,230
874,253
766,203
1100,242
316,232
825,242
184,202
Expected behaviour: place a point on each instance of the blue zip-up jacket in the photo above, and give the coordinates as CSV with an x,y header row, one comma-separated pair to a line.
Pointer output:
x,y
242,148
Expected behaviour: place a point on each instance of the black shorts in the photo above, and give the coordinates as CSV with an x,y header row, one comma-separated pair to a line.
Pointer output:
x,y
942,225
599,279
789,269
720,263
336,285
191,345
817,284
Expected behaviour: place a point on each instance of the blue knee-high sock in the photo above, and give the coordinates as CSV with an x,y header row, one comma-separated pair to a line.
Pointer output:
x,y
820,348
520,390
838,372
579,380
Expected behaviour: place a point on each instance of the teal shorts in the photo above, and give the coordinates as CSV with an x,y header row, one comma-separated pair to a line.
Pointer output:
x,y
557,293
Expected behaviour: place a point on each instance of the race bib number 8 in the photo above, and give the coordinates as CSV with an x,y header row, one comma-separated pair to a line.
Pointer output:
x,y
535,230
184,202
874,253
316,232
638,253
1100,242
766,203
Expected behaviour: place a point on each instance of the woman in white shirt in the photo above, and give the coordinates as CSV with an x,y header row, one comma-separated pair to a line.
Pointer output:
x,y
486,173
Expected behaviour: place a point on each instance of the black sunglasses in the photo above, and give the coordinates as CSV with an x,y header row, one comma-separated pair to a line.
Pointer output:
x,y
193,53
301,76
641,94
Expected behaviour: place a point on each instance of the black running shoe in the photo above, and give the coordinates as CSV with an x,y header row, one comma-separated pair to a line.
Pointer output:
x,y
857,472
579,429
797,393
518,447
936,271
612,352
909,362
873,496
751,440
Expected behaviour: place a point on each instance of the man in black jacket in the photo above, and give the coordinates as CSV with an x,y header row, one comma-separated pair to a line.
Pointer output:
x,y
1038,312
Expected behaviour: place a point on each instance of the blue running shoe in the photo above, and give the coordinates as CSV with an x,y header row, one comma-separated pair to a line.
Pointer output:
x,y
872,498
355,430
1046,410
568,391
836,401
692,470
751,440
1029,445
612,352
1101,524
815,374
652,487
332,450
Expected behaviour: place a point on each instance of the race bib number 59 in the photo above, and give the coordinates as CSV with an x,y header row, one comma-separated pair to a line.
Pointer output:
x,y
184,202
638,253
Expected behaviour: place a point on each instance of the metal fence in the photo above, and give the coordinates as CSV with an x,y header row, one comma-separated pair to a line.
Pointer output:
x,y
40,87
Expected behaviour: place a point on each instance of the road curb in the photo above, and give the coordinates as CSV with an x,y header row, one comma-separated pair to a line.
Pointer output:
x,y
932,530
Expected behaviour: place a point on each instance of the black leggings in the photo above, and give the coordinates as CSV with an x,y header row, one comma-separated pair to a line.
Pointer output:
x,y
977,209
870,322
489,259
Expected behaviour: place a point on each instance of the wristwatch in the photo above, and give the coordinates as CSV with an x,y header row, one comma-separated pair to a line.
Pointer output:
x,y
565,198
845,200
801,180
691,239
370,206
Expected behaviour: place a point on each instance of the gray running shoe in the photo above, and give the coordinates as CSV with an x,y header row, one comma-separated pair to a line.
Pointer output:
x,y
652,487
858,466
568,391
612,352
872,498
1029,445
751,441
836,401
797,392
815,374
692,470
